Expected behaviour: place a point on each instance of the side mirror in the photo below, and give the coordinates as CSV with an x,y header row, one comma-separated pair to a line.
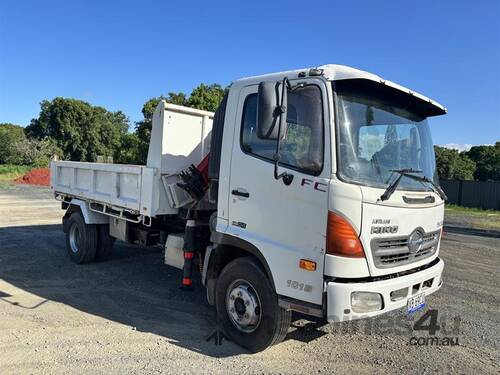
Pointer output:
x,y
271,119
271,110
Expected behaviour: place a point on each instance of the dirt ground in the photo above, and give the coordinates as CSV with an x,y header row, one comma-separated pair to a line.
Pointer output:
x,y
127,315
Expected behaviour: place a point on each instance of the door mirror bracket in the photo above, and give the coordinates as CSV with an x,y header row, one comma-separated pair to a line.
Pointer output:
x,y
287,177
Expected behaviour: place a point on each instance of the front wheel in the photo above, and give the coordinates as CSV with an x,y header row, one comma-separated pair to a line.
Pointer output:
x,y
248,306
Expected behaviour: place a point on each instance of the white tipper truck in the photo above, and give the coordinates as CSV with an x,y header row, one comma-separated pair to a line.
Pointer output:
x,y
312,190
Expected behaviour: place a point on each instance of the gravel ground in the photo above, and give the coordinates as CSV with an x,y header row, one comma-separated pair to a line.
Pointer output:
x,y
127,315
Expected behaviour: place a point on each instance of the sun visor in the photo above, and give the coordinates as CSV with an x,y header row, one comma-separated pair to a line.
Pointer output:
x,y
390,94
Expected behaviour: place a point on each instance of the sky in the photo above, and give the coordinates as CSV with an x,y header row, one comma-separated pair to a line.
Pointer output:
x,y
118,54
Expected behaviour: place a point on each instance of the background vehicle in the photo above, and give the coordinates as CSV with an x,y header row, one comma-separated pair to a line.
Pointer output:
x,y
314,190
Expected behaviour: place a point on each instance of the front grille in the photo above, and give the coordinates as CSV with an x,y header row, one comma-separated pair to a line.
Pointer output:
x,y
394,251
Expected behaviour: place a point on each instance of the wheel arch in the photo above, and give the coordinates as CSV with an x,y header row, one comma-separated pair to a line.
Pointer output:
x,y
90,217
227,249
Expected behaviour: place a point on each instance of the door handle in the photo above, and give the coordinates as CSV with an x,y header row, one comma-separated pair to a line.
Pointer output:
x,y
238,193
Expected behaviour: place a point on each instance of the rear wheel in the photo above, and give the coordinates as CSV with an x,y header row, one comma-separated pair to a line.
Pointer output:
x,y
104,244
81,239
248,306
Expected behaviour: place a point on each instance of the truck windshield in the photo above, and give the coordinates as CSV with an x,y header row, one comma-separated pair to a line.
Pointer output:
x,y
379,131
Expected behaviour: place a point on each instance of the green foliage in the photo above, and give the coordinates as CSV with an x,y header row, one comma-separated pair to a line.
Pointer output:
x,y
177,98
129,152
18,150
35,152
297,141
452,165
11,172
81,131
9,135
487,159
474,217
464,168
206,97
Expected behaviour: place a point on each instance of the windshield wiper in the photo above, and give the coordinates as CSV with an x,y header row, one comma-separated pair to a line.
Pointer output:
x,y
409,173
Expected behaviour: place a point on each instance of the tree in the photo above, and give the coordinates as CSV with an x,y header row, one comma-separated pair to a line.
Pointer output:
x,y
452,165
34,152
10,134
464,168
487,159
206,97
81,131
129,152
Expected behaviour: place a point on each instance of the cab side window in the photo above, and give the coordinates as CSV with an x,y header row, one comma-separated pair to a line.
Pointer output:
x,y
303,146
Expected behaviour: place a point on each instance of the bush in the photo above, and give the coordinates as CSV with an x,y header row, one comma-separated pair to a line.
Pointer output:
x,y
34,152
9,135
11,172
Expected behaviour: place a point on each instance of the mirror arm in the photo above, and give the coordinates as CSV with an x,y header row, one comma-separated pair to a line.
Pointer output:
x,y
287,177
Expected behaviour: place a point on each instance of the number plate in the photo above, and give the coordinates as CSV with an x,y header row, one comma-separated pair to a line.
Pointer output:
x,y
416,303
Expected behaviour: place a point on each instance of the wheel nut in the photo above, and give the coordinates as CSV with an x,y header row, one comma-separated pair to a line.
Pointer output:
x,y
239,294
231,298
232,310
246,316
247,302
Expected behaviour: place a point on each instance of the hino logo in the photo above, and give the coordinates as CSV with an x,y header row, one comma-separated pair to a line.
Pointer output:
x,y
384,229
415,241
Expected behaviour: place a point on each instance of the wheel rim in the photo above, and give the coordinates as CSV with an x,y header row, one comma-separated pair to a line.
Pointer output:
x,y
243,306
74,238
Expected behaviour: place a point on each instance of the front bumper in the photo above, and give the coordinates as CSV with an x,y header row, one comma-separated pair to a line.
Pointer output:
x,y
339,294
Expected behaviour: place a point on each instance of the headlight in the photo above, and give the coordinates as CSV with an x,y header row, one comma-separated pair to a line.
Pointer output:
x,y
365,302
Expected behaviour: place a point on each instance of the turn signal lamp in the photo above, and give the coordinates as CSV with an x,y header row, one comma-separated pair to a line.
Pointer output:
x,y
307,265
341,238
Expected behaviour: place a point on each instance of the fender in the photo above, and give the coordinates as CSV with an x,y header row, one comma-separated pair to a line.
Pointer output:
x,y
89,216
226,239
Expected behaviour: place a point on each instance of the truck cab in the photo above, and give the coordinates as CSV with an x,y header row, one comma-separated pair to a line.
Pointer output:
x,y
332,245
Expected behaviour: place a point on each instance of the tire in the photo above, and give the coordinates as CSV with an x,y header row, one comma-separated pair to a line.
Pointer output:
x,y
243,287
81,239
104,243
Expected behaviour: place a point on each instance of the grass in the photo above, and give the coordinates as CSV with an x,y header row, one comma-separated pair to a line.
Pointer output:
x,y
472,217
11,172
471,211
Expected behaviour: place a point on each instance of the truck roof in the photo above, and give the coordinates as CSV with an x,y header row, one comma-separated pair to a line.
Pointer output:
x,y
334,72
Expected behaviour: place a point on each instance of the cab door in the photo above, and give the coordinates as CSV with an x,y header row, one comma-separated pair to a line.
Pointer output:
x,y
286,223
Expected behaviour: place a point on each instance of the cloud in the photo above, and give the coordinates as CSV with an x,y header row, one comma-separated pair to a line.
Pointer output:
x,y
458,146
